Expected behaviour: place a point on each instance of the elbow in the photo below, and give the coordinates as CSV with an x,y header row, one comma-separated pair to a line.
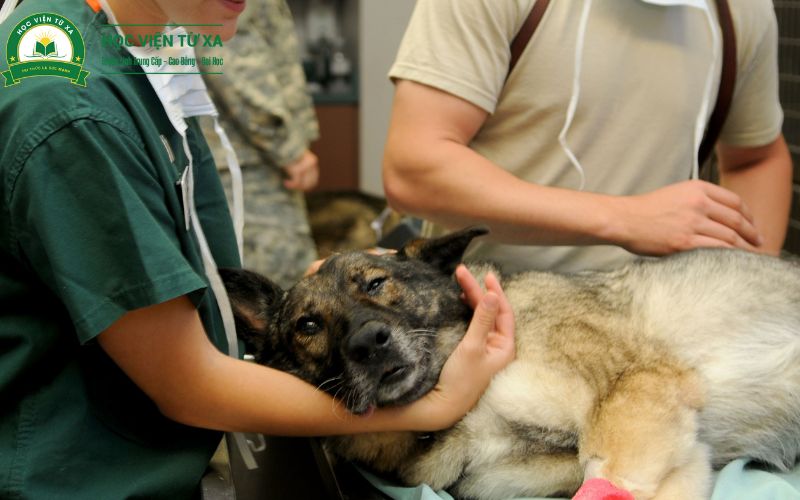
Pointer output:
x,y
195,406
172,413
404,184
206,400
397,194
175,409
186,414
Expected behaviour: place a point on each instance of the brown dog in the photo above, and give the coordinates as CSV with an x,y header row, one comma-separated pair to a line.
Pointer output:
x,y
647,376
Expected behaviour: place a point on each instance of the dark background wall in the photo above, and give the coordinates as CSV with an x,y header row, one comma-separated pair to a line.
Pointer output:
x,y
788,12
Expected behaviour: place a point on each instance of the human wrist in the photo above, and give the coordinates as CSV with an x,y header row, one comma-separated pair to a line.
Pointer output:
x,y
611,220
423,415
294,156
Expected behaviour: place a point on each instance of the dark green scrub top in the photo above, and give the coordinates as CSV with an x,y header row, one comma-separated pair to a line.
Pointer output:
x,y
92,226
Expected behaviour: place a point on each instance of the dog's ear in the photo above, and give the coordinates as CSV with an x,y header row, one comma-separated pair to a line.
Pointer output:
x,y
253,298
445,252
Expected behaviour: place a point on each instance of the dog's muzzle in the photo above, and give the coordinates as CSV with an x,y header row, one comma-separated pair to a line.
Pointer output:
x,y
370,343
371,348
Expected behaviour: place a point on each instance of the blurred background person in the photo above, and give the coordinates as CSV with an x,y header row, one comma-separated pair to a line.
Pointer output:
x,y
268,114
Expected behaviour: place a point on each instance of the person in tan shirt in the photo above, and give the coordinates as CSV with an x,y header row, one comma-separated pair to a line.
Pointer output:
x,y
567,190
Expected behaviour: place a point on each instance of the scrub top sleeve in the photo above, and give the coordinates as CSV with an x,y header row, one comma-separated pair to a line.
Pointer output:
x,y
101,224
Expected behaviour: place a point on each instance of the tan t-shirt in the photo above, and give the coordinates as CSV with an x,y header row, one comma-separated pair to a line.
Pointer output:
x,y
643,76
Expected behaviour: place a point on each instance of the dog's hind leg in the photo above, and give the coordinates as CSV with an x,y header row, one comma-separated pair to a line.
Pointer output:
x,y
644,430
691,480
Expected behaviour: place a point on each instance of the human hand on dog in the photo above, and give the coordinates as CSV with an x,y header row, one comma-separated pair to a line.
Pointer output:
x,y
487,348
314,266
683,216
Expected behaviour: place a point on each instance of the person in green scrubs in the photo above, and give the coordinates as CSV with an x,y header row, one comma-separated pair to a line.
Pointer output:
x,y
114,378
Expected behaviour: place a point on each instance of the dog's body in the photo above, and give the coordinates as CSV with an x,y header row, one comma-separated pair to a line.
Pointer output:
x,y
645,376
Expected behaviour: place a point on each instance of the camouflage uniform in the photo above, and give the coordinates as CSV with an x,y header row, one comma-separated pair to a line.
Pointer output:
x,y
267,112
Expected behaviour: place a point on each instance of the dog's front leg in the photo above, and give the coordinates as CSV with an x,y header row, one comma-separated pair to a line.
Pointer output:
x,y
642,435
440,465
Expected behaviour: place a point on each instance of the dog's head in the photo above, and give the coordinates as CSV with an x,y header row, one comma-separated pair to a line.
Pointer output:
x,y
370,330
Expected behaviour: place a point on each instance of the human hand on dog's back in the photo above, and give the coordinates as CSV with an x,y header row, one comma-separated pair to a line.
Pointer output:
x,y
683,216
444,148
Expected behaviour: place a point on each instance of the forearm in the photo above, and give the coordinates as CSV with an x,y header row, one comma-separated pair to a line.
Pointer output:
x,y
429,170
273,402
452,185
164,350
765,185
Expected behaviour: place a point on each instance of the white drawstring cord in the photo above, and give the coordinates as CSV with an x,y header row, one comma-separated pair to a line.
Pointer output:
x,y
576,91
7,9
236,186
220,294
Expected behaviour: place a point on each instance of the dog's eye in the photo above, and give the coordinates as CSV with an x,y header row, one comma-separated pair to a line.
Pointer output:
x,y
308,325
374,286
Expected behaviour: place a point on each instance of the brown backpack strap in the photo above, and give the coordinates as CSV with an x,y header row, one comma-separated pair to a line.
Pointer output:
x,y
526,32
727,83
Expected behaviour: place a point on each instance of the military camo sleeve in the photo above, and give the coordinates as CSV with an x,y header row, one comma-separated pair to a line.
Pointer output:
x,y
262,95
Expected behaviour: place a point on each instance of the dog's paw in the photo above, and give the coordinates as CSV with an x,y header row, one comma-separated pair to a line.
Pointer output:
x,y
598,468
600,489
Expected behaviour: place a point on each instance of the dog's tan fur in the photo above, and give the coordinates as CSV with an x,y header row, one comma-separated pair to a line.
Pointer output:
x,y
647,376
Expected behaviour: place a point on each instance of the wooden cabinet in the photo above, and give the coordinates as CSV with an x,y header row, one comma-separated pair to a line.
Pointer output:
x,y
337,146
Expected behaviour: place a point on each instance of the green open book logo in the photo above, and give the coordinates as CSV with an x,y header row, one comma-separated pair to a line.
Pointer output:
x,y
45,44
45,47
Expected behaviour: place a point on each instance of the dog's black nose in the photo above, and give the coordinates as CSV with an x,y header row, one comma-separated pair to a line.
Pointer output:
x,y
368,342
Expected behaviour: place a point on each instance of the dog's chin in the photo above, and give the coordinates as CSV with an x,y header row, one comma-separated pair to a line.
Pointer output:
x,y
405,386
415,392
397,386
399,380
